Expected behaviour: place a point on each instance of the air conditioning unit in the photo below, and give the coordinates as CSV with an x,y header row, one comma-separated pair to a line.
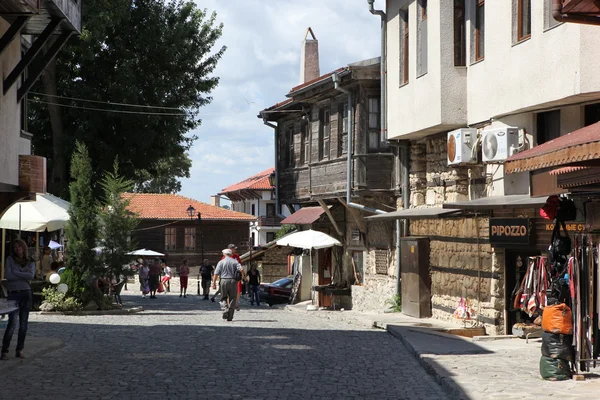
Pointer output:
x,y
499,144
460,146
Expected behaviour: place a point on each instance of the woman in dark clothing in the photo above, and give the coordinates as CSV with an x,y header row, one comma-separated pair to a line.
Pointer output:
x,y
154,277
20,269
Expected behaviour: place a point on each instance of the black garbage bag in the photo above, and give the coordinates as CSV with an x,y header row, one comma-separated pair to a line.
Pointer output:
x,y
554,369
556,345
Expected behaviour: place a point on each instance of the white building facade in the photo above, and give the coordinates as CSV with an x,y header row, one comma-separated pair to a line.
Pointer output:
x,y
485,65
256,196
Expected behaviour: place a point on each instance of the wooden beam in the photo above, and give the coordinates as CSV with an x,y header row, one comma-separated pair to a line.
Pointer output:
x,y
33,51
44,60
333,221
355,215
11,32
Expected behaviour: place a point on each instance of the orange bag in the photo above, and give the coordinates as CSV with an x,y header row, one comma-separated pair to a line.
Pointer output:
x,y
558,319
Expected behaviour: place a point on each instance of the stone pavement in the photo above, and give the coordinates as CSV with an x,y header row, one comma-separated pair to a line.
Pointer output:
x,y
182,349
491,369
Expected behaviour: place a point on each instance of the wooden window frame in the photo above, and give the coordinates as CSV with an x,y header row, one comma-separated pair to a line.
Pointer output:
x,y
170,238
189,233
325,125
291,154
305,145
371,129
520,21
405,46
460,34
479,4
343,129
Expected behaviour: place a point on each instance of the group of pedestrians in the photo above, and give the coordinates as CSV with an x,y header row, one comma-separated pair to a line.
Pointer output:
x,y
229,271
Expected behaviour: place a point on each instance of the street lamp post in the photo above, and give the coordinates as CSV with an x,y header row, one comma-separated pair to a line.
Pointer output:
x,y
191,211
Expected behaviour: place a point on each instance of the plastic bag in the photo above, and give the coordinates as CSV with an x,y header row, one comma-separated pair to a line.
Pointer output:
x,y
554,369
558,318
464,309
556,345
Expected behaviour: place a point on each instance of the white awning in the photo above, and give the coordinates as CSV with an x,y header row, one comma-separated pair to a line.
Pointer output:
x,y
499,202
415,213
45,212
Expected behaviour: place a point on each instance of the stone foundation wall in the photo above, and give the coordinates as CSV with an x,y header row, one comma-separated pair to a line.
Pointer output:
x,y
468,270
374,293
274,264
376,288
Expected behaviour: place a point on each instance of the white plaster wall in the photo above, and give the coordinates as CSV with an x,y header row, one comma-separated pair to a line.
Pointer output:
x,y
551,66
435,101
10,114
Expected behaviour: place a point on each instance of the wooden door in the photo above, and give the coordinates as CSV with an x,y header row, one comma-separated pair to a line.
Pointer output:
x,y
325,275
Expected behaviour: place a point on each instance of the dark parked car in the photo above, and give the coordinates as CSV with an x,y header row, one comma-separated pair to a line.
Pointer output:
x,y
277,292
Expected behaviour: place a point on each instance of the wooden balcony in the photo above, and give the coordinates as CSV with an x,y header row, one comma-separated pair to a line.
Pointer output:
x,y
269,221
39,13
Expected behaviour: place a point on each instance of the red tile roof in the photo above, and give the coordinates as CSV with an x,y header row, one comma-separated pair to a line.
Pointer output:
x,y
259,181
174,206
566,170
578,146
306,215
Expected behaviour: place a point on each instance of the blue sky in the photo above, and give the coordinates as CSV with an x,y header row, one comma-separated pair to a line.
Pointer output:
x,y
260,66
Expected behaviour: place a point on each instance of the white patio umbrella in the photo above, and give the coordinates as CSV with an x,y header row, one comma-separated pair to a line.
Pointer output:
x,y
45,212
146,253
309,239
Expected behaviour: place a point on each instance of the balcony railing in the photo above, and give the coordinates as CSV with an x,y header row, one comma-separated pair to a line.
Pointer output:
x,y
269,221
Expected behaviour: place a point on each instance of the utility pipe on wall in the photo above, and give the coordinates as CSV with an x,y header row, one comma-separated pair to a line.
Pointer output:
x,y
382,67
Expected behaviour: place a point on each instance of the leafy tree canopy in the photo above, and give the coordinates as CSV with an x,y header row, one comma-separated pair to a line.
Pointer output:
x,y
144,52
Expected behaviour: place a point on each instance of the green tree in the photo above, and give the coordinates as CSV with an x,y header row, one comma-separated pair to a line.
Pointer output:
x,y
144,52
116,222
82,229
163,179
284,230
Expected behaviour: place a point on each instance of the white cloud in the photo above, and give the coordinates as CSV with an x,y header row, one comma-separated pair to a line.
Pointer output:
x,y
260,66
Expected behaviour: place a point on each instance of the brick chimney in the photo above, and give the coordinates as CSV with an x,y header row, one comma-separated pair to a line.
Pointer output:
x,y
215,201
309,58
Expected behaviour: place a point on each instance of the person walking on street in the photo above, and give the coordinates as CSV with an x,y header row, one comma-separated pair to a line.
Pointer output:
x,y
231,272
154,277
206,271
236,257
19,270
254,283
166,280
184,273
143,275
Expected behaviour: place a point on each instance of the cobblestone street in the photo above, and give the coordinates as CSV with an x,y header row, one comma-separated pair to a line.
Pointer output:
x,y
180,348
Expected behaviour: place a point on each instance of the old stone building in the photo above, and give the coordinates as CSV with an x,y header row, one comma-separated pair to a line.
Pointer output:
x,y
472,83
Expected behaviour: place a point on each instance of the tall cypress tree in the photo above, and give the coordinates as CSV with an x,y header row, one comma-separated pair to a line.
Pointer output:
x,y
116,222
82,229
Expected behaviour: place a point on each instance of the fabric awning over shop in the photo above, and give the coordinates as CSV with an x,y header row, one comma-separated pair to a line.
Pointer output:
x,y
498,202
415,213
306,215
581,146
45,212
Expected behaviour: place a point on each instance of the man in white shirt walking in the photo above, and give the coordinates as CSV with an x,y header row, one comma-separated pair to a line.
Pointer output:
x,y
231,272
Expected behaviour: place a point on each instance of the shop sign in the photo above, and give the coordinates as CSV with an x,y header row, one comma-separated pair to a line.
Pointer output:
x,y
574,227
508,232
